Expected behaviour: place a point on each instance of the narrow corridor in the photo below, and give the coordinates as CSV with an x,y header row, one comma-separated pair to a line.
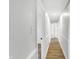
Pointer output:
x,y
55,51
32,25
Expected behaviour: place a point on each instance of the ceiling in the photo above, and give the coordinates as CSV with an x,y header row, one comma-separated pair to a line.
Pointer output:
x,y
54,8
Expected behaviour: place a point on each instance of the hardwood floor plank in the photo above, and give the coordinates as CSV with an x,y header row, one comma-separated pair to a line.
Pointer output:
x,y
55,51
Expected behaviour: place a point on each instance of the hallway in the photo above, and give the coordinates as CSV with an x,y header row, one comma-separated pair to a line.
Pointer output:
x,y
54,50
32,25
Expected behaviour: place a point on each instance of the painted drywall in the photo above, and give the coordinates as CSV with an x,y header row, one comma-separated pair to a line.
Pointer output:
x,y
43,30
47,36
64,35
65,30
54,30
22,29
40,22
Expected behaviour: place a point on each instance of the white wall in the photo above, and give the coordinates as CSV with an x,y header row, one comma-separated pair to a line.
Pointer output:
x,y
40,22
64,34
43,29
54,30
47,36
23,41
65,26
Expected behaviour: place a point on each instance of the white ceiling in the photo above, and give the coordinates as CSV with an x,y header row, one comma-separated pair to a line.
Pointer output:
x,y
54,8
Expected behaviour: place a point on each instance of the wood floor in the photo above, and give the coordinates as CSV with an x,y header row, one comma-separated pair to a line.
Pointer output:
x,y
55,51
